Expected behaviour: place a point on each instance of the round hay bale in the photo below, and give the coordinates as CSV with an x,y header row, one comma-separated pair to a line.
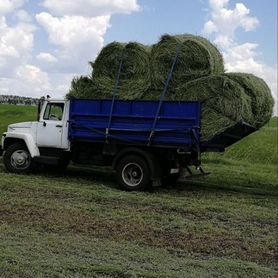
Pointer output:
x,y
135,75
215,55
197,57
81,87
224,103
260,94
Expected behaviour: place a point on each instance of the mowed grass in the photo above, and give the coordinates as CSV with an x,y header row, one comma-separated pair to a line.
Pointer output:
x,y
80,224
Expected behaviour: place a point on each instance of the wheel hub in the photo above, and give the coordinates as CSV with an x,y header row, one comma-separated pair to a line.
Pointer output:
x,y
132,174
20,159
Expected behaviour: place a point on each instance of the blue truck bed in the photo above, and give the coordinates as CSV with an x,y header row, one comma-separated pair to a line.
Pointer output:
x,y
133,122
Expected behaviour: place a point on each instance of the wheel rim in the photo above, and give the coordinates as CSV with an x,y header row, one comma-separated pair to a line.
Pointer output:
x,y
132,174
20,159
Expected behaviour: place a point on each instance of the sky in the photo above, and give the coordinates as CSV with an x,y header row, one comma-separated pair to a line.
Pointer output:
x,y
45,43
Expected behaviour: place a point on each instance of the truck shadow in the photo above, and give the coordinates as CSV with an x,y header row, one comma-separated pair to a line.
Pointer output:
x,y
101,175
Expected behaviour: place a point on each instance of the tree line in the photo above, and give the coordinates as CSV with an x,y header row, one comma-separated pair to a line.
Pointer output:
x,y
18,100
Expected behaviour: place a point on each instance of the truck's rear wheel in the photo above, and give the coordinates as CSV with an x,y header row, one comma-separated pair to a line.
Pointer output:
x,y
133,173
17,159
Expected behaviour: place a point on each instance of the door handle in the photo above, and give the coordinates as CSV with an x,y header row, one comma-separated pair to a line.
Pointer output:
x,y
59,126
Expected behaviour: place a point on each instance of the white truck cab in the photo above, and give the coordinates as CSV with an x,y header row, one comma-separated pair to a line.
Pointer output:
x,y
27,141
52,127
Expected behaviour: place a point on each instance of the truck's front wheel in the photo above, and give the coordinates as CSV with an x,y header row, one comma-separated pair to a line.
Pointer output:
x,y
133,173
17,159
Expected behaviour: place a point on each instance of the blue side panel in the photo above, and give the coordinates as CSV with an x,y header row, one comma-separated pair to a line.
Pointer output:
x,y
132,122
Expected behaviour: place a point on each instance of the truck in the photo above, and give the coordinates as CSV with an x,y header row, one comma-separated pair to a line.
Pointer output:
x,y
143,141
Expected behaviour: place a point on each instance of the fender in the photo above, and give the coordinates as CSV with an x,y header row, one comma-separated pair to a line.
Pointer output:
x,y
27,138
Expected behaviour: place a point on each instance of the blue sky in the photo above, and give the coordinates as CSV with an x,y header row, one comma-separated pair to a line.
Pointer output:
x,y
44,43
188,16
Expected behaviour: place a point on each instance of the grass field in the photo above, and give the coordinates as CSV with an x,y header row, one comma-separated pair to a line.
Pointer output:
x,y
10,114
81,225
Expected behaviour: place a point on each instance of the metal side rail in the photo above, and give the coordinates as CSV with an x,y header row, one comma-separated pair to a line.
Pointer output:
x,y
163,94
116,89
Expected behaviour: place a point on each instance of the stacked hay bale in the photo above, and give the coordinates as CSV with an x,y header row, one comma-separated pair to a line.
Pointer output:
x,y
227,98
135,77
260,94
197,57
81,87
224,102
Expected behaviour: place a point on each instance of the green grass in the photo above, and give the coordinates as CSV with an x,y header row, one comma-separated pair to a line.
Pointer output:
x,y
81,225
10,114
260,147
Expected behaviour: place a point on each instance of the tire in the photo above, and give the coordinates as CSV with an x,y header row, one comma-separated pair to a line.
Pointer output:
x,y
17,159
133,173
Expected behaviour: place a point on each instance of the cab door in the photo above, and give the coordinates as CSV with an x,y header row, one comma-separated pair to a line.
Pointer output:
x,y
51,125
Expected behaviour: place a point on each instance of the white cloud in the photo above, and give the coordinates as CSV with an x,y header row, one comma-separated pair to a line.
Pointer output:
x,y
16,44
8,6
224,21
72,30
33,77
78,39
46,57
218,4
210,27
29,80
244,57
23,16
75,34
90,8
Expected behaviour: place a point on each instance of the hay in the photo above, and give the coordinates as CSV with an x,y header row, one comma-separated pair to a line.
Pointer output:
x,y
197,57
216,58
260,94
135,77
81,87
227,99
224,103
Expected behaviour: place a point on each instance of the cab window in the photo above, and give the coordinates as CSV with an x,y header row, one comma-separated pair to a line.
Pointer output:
x,y
54,112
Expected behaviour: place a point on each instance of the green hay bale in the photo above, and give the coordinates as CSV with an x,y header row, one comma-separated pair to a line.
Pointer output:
x,y
215,55
227,99
260,94
81,87
224,103
197,57
135,77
